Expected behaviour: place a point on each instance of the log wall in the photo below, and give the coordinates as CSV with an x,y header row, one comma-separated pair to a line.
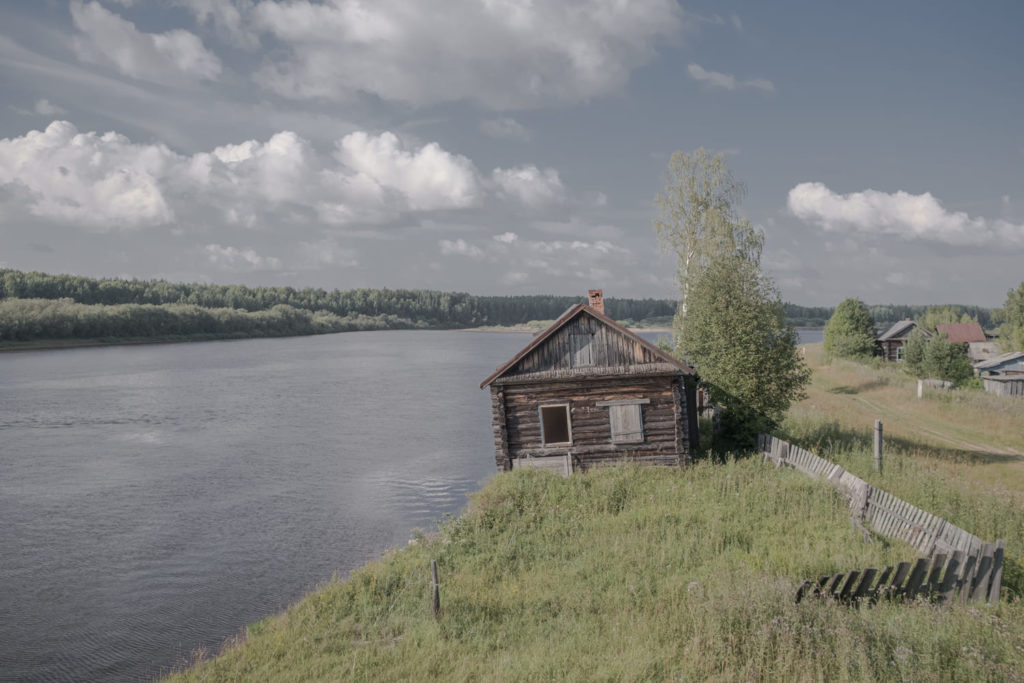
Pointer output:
x,y
665,420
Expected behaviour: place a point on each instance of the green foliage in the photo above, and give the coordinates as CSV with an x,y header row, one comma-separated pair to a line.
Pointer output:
x,y
850,332
914,353
938,315
422,308
891,313
698,217
1012,329
736,335
31,319
946,360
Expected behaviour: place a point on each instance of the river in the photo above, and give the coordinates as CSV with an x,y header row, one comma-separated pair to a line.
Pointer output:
x,y
155,499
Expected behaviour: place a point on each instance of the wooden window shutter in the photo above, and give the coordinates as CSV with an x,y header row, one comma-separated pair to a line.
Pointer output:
x,y
627,423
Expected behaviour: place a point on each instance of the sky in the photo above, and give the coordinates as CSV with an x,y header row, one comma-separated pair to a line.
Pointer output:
x,y
511,146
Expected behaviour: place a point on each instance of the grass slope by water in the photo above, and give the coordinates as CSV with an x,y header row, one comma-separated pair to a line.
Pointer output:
x,y
627,573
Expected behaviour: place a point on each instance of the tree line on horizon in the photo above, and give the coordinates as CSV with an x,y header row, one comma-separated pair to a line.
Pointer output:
x,y
412,307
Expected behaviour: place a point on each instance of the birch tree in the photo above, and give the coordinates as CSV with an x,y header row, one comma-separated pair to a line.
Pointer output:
x,y
698,218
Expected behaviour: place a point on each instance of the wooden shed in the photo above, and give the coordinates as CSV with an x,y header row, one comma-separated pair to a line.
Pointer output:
x,y
587,391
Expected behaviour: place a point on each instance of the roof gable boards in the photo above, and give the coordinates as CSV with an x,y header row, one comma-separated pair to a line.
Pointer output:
x,y
581,339
902,330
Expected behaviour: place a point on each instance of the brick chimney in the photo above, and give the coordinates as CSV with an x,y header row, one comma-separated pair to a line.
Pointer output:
x,y
596,297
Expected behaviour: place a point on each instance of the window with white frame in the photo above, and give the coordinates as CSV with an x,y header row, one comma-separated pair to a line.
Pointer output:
x,y
899,353
627,419
555,425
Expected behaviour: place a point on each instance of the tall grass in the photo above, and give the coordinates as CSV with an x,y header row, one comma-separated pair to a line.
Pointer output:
x,y
627,574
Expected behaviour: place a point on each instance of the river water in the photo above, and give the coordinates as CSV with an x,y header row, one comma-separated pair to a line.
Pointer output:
x,y
155,499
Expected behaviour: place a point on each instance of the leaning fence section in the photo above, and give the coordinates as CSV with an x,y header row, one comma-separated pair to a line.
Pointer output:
x,y
960,578
887,514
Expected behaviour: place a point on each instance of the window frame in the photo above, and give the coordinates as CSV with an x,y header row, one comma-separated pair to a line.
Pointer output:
x,y
568,424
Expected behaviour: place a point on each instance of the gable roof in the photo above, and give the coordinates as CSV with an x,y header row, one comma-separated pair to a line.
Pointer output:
x,y
902,329
584,309
999,360
961,332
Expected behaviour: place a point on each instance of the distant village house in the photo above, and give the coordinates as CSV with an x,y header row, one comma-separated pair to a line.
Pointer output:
x,y
977,345
587,391
889,344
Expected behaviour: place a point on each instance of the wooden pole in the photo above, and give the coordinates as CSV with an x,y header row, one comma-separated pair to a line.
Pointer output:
x,y
878,446
435,587
920,388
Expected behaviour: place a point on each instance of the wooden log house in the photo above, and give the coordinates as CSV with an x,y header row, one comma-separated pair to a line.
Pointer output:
x,y
889,345
587,391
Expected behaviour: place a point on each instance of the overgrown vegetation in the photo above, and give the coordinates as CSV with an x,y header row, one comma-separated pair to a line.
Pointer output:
x,y
937,358
1012,329
627,574
850,332
731,323
61,319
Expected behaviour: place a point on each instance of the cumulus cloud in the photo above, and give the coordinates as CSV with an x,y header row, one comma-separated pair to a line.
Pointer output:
x,y
499,54
100,182
233,258
106,38
106,182
429,178
717,79
462,248
44,108
504,128
900,214
506,237
530,185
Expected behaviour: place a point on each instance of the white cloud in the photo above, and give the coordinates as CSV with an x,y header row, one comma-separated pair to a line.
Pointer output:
x,y
233,258
100,182
504,128
429,178
105,182
901,279
500,54
900,214
326,252
106,38
461,247
44,108
737,23
226,16
530,185
718,79
506,237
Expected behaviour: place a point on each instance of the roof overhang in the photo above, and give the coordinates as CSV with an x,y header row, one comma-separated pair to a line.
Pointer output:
x,y
584,309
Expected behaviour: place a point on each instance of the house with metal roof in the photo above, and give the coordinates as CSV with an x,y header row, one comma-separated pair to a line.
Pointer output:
x,y
1004,364
587,391
889,344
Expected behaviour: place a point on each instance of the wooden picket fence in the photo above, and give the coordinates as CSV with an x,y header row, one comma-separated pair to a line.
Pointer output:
x,y
890,516
962,578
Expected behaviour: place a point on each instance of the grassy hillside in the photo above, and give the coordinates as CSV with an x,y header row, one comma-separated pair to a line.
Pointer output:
x,y
958,454
627,574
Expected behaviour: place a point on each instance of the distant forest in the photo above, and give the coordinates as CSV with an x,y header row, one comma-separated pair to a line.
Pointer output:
x,y
37,306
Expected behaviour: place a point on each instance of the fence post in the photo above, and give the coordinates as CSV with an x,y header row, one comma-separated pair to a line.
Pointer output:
x,y
878,446
920,388
436,587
